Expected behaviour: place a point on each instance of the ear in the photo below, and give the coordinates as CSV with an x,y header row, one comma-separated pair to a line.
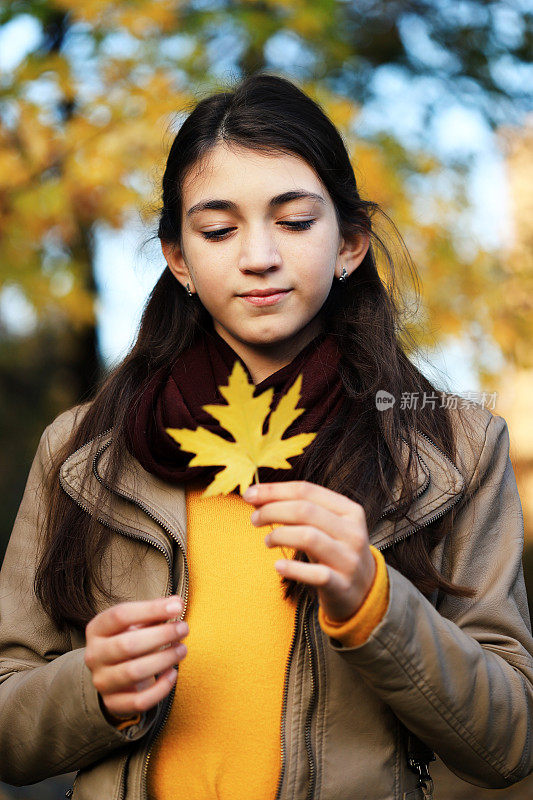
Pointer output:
x,y
351,253
176,264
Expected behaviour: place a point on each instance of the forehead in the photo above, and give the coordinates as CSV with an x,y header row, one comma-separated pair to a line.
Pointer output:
x,y
243,173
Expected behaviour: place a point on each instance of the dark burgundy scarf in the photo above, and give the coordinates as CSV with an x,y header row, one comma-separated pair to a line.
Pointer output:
x,y
174,398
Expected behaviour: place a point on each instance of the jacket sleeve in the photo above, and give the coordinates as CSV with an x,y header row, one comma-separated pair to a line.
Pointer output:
x,y
50,717
357,628
460,676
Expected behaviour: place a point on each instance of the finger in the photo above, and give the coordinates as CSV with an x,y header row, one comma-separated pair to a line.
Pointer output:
x,y
330,582
139,687
304,512
317,545
120,677
334,586
127,703
302,490
135,612
138,642
313,574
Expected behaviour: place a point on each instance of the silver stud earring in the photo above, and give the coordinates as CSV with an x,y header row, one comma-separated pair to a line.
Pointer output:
x,y
343,276
189,290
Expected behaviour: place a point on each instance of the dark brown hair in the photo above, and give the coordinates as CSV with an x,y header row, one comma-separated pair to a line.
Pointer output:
x,y
366,314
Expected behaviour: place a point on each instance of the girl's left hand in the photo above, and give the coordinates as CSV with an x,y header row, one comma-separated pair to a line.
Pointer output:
x,y
331,529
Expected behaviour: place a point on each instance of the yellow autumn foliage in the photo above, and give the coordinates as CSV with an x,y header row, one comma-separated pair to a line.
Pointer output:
x,y
60,176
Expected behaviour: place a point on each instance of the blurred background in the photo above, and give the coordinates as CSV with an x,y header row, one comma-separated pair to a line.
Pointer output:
x,y
434,99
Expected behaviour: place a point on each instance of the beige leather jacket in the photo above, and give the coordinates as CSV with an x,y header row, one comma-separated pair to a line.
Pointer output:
x,y
458,673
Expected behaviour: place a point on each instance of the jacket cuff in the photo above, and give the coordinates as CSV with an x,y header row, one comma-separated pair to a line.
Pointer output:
x,y
127,722
356,630
118,722
94,712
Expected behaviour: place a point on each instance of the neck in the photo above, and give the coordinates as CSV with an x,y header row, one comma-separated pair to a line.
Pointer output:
x,y
263,360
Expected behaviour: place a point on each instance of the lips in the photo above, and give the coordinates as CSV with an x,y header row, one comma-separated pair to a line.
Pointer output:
x,y
270,298
263,292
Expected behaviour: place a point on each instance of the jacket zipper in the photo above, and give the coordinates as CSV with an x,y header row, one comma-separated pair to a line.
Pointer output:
x,y
312,703
285,694
156,544
423,525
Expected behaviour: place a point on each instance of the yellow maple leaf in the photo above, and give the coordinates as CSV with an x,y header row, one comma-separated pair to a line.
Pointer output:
x,y
243,418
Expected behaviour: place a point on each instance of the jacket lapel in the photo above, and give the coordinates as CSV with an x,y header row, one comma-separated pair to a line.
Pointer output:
x,y
142,505
145,506
440,486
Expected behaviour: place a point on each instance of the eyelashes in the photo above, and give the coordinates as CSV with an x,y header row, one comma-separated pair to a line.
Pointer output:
x,y
302,225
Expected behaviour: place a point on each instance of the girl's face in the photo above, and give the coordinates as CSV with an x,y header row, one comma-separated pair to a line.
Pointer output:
x,y
245,229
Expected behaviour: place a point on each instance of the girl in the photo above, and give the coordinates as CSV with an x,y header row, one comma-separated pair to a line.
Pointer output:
x,y
398,623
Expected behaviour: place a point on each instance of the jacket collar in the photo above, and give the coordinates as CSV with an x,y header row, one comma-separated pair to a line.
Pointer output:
x,y
144,506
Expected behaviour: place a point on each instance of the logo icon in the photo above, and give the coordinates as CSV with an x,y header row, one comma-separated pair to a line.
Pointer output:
x,y
384,400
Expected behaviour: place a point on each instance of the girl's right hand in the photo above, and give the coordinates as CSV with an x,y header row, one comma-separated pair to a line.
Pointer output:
x,y
124,656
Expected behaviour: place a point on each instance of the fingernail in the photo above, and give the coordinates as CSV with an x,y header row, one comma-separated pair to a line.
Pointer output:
x,y
250,493
175,604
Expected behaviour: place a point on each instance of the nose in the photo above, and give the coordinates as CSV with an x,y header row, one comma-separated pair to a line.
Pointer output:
x,y
260,253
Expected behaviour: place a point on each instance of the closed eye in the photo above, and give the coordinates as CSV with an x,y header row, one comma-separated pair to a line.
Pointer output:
x,y
301,225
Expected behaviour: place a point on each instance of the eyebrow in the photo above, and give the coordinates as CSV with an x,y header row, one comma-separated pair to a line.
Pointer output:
x,y
274,202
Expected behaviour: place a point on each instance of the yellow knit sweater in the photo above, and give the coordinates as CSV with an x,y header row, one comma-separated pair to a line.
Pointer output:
x,y
222,737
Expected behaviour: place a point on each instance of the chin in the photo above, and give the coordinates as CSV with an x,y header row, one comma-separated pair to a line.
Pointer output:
x,y
266,338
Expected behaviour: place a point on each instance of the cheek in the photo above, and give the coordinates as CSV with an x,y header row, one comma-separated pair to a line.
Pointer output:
x,y
316,260
315,280
210,277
